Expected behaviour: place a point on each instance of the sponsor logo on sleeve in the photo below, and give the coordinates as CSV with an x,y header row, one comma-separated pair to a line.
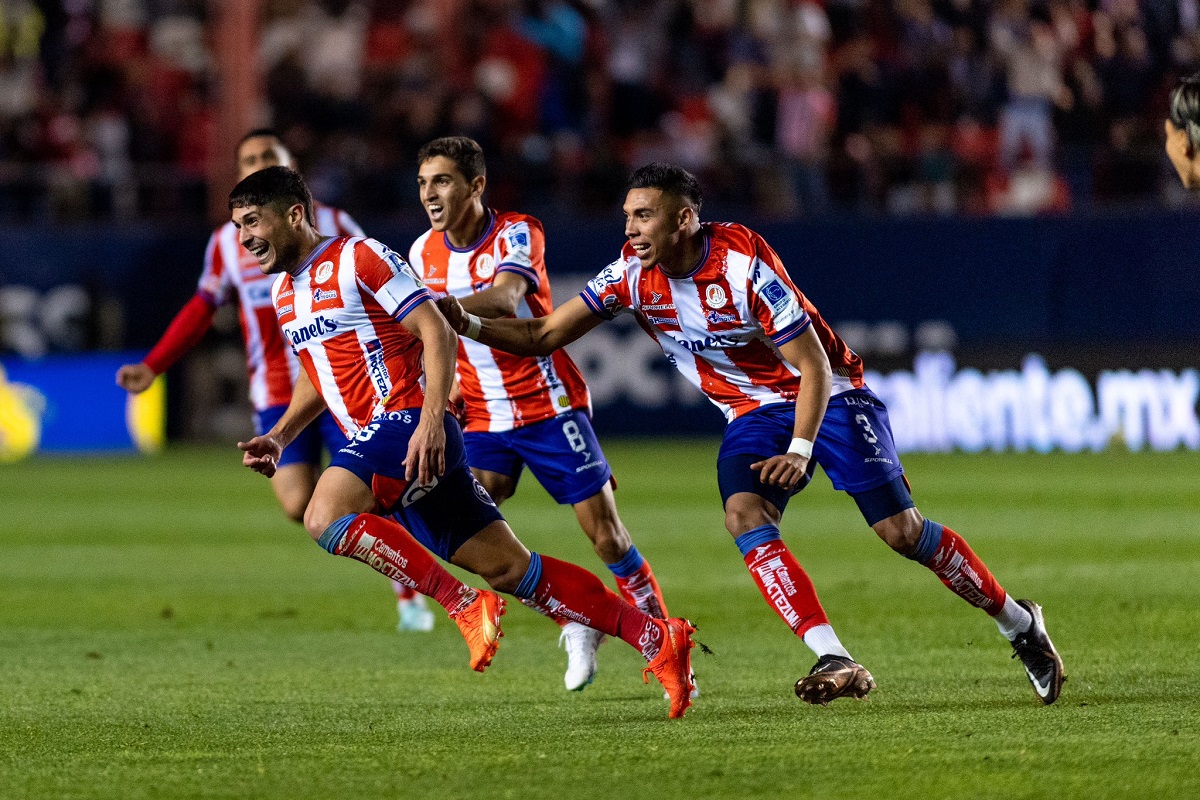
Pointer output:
x,y
377,367
776,295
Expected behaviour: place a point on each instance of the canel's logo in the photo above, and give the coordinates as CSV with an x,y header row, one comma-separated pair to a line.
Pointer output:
x,y
318,327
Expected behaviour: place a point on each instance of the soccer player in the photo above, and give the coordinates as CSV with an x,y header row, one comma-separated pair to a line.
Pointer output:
x,y
728,316
362,324
1183,131
521,411
231,272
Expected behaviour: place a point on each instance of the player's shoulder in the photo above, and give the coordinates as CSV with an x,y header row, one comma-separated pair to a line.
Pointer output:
x,y
506,219
734,236
518,231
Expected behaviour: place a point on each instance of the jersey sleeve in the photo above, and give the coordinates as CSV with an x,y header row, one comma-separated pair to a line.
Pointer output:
x,y
388,278
346,226
607,294
214,284
774,300
522,251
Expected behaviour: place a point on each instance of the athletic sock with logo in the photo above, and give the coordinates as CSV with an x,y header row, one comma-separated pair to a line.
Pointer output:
x,y
949,557
783,582
385,546
637,584
575,594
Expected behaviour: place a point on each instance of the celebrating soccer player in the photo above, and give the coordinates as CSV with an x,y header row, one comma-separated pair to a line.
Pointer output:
x,y
521,410
728,316
362,325
230,272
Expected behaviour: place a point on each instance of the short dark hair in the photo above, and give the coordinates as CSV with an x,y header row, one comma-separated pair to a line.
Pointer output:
x,y
278,187
464,151
1185,109
669,179
254,134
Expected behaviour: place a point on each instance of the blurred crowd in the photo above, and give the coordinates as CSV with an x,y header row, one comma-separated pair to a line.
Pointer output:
x,y
786,107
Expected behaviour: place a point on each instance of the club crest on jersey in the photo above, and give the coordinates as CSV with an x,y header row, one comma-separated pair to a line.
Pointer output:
x,y
323,272
715,296
485,266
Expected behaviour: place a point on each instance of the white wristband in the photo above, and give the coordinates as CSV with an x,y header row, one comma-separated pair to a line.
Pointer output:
x,y
801,447
474,326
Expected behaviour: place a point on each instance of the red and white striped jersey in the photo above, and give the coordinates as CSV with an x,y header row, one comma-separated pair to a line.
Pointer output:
x,y
502,391
340,312
723,323
230,271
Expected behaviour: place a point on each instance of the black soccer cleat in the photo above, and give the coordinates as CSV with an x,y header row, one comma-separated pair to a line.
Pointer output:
x,y
1042,664
833,677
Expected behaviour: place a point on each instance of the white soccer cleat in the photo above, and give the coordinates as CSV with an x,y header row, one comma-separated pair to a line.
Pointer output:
x,y
414,615
581,643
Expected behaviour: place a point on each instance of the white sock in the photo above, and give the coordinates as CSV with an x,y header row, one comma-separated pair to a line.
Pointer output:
x,y
1013,619
824,642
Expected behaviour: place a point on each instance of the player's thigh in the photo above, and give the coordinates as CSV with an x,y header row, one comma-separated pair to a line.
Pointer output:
x,y
494,461
565,456
293,485
338,492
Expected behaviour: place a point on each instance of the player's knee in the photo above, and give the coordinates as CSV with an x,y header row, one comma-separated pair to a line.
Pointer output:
x,y
505,576
901,531
740,518
316,519
609,539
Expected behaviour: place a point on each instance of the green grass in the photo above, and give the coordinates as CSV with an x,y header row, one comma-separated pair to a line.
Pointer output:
x,y
164,632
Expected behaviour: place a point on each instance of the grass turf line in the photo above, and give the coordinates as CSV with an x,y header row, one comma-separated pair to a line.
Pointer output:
x,y
164,632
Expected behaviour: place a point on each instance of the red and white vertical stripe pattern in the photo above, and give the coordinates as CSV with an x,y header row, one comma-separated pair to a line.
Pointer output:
x,y
723,323
230,270
502,391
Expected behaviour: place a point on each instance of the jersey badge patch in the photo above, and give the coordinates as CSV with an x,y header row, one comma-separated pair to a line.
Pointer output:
x,y
715,296
485,266
775,294
323,272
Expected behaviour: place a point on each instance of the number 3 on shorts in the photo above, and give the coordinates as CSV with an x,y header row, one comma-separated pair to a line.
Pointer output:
x,y
868,431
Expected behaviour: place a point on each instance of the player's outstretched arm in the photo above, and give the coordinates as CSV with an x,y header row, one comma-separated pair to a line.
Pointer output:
x,y
261,453
426,457
816,382
500,299
185,331
540,336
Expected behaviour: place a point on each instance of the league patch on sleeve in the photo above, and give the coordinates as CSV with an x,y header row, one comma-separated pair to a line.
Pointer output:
x,y
777,295
520,239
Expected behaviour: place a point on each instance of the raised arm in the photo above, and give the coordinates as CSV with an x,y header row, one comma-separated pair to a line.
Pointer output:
x,y
540,336
816,382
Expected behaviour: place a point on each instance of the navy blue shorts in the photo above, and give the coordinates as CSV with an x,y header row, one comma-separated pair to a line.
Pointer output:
x,y
441,516
854,447
562,453
323,432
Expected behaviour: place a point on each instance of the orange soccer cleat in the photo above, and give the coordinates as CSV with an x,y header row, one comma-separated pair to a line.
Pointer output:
x,y
673,664
479,621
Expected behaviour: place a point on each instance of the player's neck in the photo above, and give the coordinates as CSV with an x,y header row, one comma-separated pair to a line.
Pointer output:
x,y
309,242
470,229
686,257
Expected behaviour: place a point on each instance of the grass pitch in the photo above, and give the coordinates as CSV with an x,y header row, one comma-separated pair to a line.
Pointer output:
x,y
164,632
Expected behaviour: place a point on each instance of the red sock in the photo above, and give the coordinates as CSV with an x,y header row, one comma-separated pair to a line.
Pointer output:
x,y
641,589
385,546
573,593
965,574
403,592
534,605
786,586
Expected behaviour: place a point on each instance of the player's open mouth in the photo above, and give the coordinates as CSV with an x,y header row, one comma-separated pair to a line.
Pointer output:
x,y
640,248
435,211
260,251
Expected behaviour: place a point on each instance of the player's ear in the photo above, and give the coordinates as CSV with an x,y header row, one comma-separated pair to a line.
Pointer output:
x,y
477,185
296,215
687,215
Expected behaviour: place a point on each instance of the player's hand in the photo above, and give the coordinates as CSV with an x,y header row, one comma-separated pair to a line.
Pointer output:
x,y
785,471
426,458
261,454
135,378
453,311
